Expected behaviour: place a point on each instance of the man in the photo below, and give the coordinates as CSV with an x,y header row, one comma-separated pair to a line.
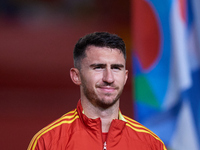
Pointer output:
x,y
97,123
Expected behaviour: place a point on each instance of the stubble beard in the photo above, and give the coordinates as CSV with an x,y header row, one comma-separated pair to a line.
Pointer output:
x,y
102,103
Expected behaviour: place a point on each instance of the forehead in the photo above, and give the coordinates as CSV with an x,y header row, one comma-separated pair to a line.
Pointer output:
x,y
104,54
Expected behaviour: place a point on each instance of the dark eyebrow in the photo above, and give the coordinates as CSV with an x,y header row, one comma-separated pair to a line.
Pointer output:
x,y
117,65
104,65
98,65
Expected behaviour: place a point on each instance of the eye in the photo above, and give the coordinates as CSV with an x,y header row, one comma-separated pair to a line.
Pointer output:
x,y
116,68
97,68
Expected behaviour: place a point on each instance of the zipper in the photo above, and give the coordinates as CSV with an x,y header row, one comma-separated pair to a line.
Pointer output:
x,y
104,146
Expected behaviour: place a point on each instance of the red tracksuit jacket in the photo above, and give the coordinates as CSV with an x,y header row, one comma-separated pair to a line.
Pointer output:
x,y
74,131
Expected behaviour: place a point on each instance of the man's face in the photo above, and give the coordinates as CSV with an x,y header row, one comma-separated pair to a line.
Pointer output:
x,y
103,75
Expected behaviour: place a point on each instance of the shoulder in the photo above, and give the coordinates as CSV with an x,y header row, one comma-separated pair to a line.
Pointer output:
x,y
137,127
53,130
142,133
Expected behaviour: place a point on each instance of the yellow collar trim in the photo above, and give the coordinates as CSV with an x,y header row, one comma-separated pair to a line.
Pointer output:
x,y
121,117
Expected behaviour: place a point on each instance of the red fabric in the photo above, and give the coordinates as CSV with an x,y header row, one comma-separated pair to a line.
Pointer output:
x,y
104,136
75,131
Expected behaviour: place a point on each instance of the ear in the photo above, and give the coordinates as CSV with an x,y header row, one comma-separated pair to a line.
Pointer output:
x,y
126,76
75,76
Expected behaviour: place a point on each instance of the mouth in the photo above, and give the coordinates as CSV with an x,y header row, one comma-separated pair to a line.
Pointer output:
x,y
107,89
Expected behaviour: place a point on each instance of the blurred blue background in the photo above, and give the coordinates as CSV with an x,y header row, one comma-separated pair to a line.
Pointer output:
x,y
166,64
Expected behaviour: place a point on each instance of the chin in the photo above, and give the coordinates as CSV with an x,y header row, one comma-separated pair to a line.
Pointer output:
x,y
106,103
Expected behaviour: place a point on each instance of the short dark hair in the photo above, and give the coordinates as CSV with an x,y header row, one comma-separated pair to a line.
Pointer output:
x,y
98,39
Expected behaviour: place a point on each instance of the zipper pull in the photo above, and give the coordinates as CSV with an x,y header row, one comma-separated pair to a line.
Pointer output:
x,y
104,146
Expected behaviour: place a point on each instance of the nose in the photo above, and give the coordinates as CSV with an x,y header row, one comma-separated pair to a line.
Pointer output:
x,y
108,76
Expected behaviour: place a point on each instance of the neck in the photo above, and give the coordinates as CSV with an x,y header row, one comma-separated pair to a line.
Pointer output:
x,y
106,115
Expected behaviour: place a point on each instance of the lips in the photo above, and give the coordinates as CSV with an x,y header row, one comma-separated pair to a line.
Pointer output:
x,y
107,89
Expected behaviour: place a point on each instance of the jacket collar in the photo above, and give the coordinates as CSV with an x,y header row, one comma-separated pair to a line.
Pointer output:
x,y
95,124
